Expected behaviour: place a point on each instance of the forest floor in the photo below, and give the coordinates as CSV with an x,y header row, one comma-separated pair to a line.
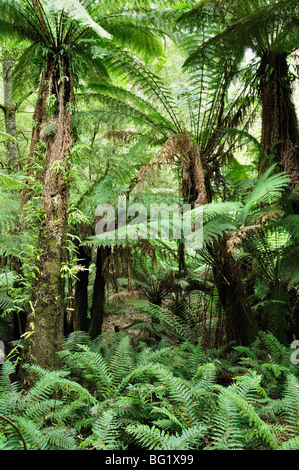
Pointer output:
x,y
122,320
122,316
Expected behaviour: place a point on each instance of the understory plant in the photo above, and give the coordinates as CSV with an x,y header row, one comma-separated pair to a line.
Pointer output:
x,y
109,395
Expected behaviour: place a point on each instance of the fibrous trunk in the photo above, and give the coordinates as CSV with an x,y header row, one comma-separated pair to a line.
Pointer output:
x,y
240,322
50,148
280,135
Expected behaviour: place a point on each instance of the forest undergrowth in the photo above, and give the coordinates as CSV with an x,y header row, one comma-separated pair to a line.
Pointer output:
x,y
113,393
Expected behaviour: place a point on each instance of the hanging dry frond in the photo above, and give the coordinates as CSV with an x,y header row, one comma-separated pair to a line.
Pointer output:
x,y
124,137
182,148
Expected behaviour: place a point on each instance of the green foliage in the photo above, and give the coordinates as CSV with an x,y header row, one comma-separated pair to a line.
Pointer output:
x,y
169,398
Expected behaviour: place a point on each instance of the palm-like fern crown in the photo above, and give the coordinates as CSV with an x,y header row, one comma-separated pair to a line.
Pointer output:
x,y
86,30
261,25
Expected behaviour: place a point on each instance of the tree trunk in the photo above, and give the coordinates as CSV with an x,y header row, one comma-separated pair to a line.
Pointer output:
x,y
240,323
50,146
98,300
280,134
81,290
9,108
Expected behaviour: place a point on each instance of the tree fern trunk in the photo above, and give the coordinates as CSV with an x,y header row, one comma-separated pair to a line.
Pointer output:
x,y
240,323
52,129
279,121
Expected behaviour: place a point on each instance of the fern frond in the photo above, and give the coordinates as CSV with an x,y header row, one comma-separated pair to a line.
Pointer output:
x,y
290,444
226,425
33,436
175,325
246,410
91,364
291,403
105,432
60,438
120,362
50,381
150,438
268,189
8,182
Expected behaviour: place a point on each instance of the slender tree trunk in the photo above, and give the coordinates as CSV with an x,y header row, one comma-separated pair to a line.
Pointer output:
x,y
280,133
51,145
81,290
98,300
9,108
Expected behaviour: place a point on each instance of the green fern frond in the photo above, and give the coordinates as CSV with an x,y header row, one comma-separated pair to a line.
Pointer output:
x,y
226,425
206,376
34,438
105,432
49,381
275,348
175,325
290,444
60,438
8,182
120,362
247,411
8,369
91,364
268,189
150,438
291,403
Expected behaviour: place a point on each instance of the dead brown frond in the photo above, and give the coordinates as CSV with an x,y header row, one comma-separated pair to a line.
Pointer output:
x,y
180,149
124,137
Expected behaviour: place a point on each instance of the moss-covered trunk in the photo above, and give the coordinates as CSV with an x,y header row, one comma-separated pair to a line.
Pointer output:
x,y
50,147
9,108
